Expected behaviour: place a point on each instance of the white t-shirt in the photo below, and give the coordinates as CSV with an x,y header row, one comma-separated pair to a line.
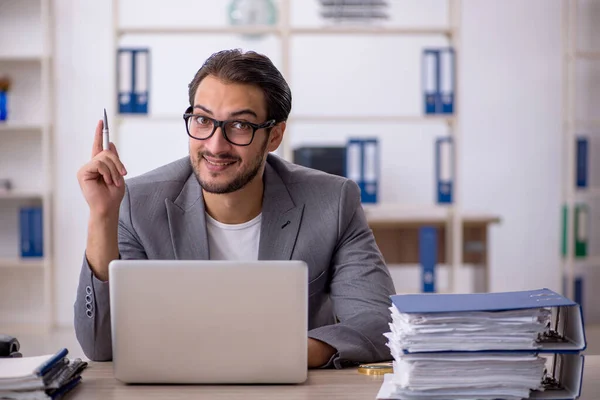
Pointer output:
x,y
233,241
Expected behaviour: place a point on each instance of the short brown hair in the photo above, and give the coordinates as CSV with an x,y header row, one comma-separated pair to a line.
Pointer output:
x,y
251,68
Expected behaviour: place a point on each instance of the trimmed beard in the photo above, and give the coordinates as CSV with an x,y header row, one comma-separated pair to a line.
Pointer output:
x,y
238,182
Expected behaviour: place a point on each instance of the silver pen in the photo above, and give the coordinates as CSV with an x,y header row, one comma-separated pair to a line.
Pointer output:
x,y
105,137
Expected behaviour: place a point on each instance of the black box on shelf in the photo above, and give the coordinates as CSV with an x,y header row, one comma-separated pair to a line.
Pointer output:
x,y
330,159
5,185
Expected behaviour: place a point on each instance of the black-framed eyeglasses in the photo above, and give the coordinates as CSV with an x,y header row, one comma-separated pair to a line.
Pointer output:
x,y
237,132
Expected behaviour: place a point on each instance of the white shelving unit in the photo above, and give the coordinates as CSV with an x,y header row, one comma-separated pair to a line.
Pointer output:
x,y
26,300
573,125
285,31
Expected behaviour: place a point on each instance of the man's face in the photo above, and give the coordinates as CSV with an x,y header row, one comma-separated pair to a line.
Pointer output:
x,y
220,166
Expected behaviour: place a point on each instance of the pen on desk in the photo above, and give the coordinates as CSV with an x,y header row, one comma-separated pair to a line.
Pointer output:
x,y
47,365
105,138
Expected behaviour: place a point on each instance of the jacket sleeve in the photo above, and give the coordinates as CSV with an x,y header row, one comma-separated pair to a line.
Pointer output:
x,y
360,290
92,302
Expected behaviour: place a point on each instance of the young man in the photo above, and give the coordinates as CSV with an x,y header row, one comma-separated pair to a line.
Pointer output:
x,y
231,199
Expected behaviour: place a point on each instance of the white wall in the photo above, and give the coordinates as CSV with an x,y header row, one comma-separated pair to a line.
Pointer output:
x,y
512,134
82,44
510,113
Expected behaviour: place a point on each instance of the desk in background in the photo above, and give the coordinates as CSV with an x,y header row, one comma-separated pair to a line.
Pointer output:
x,y
348,384
396,231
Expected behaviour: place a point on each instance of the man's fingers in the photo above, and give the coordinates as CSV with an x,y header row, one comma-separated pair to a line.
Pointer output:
x,y
117,160
97,146
103,170
114,172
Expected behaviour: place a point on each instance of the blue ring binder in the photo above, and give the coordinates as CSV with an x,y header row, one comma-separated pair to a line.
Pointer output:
x,y
133,72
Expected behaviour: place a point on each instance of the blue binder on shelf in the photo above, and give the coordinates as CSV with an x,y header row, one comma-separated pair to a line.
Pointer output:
x,y
447,80
362,166
444,169
569,317
581,167
133,66
431,81
577,290
31,230
439,80
428,257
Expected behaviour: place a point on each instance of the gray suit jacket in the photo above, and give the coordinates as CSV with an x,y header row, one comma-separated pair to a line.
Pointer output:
x,y
307,215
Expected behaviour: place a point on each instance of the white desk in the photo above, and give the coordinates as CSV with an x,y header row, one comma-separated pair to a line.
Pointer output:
x,y
348,384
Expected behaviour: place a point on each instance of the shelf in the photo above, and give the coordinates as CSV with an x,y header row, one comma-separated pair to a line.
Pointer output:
x,y
21,329
35,263
588,193
401,119
253,30
592,261
584,124
587,55
150,117
286,35
22,58
26,148
447,119
21,195
382,215
19,127
365,30
274,30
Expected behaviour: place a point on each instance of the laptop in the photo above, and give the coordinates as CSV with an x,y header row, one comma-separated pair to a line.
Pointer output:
x,y
209,322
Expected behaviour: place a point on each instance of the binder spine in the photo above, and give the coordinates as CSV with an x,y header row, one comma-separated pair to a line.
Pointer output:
x,y
565,224
581,167
444,169
370,157
581,221
140,84
362,166
25,234
37,230
125,81
133,66
354,161
428,257
447,80
431,79
31,232
578,291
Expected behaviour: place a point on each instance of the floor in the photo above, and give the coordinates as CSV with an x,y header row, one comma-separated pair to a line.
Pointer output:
x,y
38,344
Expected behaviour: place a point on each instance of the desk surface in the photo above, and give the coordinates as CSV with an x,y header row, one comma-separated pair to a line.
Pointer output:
x,y
348,384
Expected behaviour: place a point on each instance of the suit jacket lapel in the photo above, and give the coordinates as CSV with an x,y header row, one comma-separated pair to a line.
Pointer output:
x,y
187,222
280,219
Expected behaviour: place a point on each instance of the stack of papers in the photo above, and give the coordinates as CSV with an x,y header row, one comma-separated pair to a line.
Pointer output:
x,y
464,376
44,377
454,351
468,331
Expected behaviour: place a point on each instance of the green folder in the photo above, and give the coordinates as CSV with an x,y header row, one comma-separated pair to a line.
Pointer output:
x,y
581,229
581,222
565,219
